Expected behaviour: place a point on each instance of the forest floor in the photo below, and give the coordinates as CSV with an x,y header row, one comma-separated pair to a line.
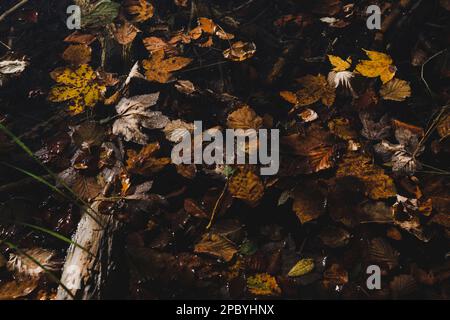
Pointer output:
x,y
364,124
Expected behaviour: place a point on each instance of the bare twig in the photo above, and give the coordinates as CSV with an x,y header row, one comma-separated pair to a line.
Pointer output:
x,y
14,8
422,72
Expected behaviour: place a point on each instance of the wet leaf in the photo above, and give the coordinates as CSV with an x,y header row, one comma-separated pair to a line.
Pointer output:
x,y
80,87
379,65
308,202
263,284
334,237
302,267
160,69
396,89
380,251
88,134
17,289
334,276
134,114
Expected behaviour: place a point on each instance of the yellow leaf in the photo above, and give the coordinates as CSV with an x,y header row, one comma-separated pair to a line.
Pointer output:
x,y
160,69
80,87
145,163
339,64
263,284
379,65
301,268
244,118
396,89
240,51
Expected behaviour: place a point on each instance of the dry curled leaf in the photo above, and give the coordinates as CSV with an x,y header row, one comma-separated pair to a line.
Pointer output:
x,y
139,10
396,90
379,65
216,245
134,114
378,184
24,267
80,87
263,284
244,118
160,69
154,44
240,51
145,162
246,186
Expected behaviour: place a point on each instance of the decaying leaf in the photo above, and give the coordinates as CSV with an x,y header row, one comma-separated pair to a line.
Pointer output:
x,y
23,267
380,251
125,32
308,202
139,10
246,186
17,289
334,237
145,163
80,38
176,130
402,286
240,51
443,127
77,54
134,115
88,134
379,65
80,87
301,268
155,44
334,276
11,68
395,89
263,284
378,184
315,88
217,246
84,187
244,118
160,69
100,14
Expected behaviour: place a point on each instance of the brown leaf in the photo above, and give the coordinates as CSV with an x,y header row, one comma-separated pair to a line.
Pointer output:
x,y
125,32
154,44
159,69
17,289
380,251
334,276
77,54
396,90
217,246
187,170
145,163
402,286
308,202
80,38
246,186
240,51
139,10
244,118
378,184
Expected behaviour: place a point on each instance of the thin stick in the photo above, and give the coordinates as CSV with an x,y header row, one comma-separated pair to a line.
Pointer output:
x,y
422,72
216,206
14,8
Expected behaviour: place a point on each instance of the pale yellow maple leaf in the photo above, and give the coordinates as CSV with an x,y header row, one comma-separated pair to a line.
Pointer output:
x,y
339,64
379,65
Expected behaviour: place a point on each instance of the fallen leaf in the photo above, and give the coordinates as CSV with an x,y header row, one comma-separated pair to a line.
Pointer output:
x,y
334,276
134,114
302,267
80,38
80,87
263,284
77,54
380,251
244,118
139,10
22,267
17,289
159,69
379,65
240,51
334,237
176,130
88,134
396,90
154,44
125,32
378,184
145,163
308,202
84,187
443,127
339,64
402,286
99,15
246,186
217,246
